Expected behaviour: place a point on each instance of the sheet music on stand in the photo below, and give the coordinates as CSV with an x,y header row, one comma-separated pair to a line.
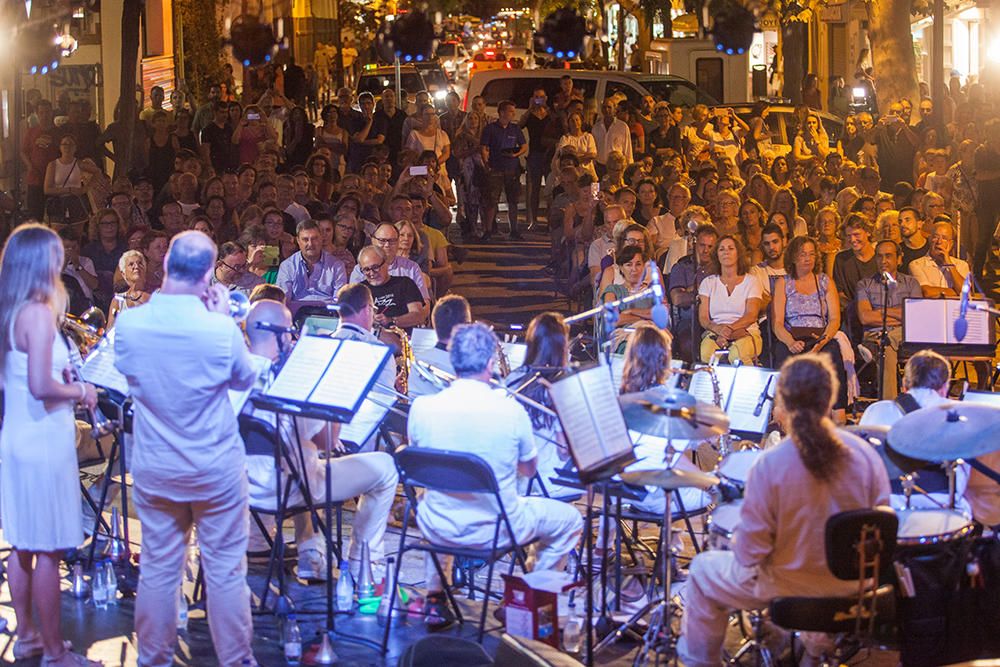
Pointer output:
x,y
326,378
367,419
740,388
930,323
591,418
618,369
99,367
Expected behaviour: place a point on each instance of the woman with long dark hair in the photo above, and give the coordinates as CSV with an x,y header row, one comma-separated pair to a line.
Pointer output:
x,y
39,480
815,472
546,360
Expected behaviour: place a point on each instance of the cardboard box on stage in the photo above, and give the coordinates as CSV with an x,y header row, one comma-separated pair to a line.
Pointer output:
x,y
535,602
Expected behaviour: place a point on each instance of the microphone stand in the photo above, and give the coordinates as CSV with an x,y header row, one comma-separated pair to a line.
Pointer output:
x,y
883,338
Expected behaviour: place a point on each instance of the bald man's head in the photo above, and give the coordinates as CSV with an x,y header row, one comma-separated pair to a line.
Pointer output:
x,y
191,257
265,310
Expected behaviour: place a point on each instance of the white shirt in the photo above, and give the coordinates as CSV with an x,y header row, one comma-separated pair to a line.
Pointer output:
x,y
614,138
929,274
887,413
180,361
470,416
599,248
726,308
763,272
400,266
663,230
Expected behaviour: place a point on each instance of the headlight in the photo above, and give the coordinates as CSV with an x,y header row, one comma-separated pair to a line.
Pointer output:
x,y
440,94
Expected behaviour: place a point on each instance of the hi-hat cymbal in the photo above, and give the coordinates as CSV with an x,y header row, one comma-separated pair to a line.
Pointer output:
x,y
672,415
896,464
670,479
947,432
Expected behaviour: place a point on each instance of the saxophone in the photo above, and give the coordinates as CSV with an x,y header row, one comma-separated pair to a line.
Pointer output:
x,y
503,363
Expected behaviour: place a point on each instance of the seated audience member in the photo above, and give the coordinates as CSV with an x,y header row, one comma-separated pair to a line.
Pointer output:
x,y
772,245
872,305
397,300
449,311
939,272
310,274
630,234
132,266
631,263
729,305
386,238
471,416
78,273
806,311
372,475
231,269
685,279
926,381
857,262
337,233
815,472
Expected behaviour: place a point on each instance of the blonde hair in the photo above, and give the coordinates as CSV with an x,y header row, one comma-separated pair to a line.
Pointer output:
x,y
30,270
418,244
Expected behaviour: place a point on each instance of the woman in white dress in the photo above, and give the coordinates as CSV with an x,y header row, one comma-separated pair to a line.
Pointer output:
x,y
39,481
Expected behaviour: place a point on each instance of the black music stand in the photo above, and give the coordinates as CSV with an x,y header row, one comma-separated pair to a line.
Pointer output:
x,y
586,403
327,379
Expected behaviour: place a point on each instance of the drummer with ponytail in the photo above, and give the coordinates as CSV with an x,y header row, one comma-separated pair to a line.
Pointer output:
x,y
792,489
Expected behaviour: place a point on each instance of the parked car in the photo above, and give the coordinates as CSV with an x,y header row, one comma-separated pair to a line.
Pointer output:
x,y
455,59
519,85
783,124
413,79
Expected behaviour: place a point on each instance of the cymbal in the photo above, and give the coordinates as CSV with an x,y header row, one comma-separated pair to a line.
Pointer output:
x,y
670,479
896,464
947,432
674,414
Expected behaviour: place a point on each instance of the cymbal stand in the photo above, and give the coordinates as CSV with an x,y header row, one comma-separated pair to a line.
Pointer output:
x,y
660,637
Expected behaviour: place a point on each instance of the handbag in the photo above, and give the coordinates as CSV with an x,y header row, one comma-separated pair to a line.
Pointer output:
x,y
810,334
65,208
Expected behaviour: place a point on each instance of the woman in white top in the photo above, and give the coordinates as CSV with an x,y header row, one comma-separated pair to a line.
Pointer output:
x,y
725,132
579,143
812,141
39,479
730,303
430,137
64,175
132,266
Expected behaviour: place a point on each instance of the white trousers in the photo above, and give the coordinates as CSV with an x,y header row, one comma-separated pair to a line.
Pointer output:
x,y
717,584
556,525
222,536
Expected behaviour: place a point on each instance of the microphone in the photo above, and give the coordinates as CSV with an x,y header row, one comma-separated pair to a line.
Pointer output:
x,y
275,328
762,398
888,279
692,226
962,324
661,318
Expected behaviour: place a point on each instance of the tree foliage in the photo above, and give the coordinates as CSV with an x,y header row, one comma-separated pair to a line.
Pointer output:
x,y
202,40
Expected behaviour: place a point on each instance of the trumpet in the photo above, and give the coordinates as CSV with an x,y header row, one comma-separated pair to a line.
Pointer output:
x,y
443,379
239,306
86,330
100,425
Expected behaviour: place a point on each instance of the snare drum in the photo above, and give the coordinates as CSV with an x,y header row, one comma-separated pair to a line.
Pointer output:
x,y
918,527
735,467
722,524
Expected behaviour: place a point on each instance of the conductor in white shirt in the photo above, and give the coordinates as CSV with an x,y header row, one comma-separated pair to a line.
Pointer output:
x,y
182,353
471,416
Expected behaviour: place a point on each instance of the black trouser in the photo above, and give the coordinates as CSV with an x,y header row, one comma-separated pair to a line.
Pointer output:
x,y
831,349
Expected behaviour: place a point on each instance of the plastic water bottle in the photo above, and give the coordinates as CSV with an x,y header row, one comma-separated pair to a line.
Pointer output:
x,y
111,579
182,609
573,632
99,586
345,588
292,639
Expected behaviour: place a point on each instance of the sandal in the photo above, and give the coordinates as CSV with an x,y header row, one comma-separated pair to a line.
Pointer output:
x,y
32,648
70,659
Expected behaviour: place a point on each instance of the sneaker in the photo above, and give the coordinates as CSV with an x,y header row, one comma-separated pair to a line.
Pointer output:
x,y
438,615
312,565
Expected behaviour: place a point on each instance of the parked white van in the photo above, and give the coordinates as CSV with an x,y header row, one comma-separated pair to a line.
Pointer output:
x,y
518,86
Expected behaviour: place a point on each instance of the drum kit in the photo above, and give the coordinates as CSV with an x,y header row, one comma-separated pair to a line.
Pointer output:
x,y
940,437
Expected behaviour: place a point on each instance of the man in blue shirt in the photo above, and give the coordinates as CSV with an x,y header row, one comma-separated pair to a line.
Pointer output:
x,y
503,144
312,274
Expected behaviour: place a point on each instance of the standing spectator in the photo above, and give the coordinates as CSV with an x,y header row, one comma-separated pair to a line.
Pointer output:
x,y
896,146
503,145
295,83
251,134
39,147
156,98
206,112
366,132
811,96
534,122
390,117
216,140
332,136
161,149
467,151
187,139
64,188
664,137
430,137
578,143
611,134
83,129
298,136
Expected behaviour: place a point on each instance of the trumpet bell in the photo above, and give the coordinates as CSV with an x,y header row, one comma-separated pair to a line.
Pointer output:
x,y
94,318
239,306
